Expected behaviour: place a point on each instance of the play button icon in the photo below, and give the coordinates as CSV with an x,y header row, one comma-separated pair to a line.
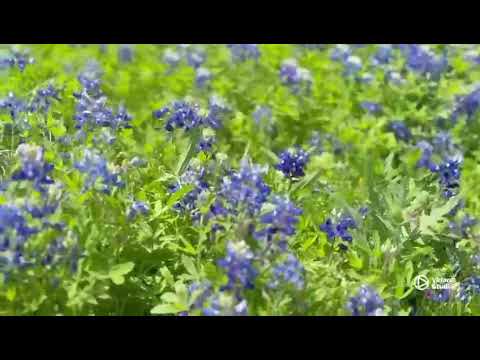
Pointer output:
x,y
421,282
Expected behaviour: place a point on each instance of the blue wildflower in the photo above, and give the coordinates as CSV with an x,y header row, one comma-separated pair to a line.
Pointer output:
x,y
205,144
423,61
367,302
14,229
91,85
171,57
352,64
43,99
292,163
340,230
467,105
243,52
281,221
469,288
294,76
441,296
245,189
394,77
92,112
21,60
238,264
34,168
188,203
96,167
13,105
125,53
181,115
426,157
341,52
202,77
383,55
363,211
400,130
226,305
138,207
195,58
371,107
289,271
449,176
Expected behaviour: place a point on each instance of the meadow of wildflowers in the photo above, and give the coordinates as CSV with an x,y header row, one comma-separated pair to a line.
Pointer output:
x,y
239,179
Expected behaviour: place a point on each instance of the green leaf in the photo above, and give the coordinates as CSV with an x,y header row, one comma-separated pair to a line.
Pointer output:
x,y
188,263
429,224
117,272
164,309
306,181
355,261
189,152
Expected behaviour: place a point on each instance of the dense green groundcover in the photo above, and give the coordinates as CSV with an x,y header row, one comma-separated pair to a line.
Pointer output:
x,y
139,218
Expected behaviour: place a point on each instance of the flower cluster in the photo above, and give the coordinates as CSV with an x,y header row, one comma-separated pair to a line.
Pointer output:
x,y
92,112
245,190
383,55
224,304
14,230
182,115
244,52
281,222
353,65
95,167
441,296
43,99
425,160
138,207
292,163
289,271
202,77
195,178
171,57
13,105
467,105
17,59
194,56
468,288
294,76
341,229
422,60
204,299
394,77
341,52
206,143
34,168
238,264
449,176
367,302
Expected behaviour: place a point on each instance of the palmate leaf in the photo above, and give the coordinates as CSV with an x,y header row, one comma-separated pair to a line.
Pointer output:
x,y
117,272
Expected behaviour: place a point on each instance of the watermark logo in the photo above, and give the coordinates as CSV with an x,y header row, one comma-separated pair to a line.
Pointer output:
x,y
421,282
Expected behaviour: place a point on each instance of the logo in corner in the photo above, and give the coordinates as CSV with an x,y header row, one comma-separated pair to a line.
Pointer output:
x,y
421,282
